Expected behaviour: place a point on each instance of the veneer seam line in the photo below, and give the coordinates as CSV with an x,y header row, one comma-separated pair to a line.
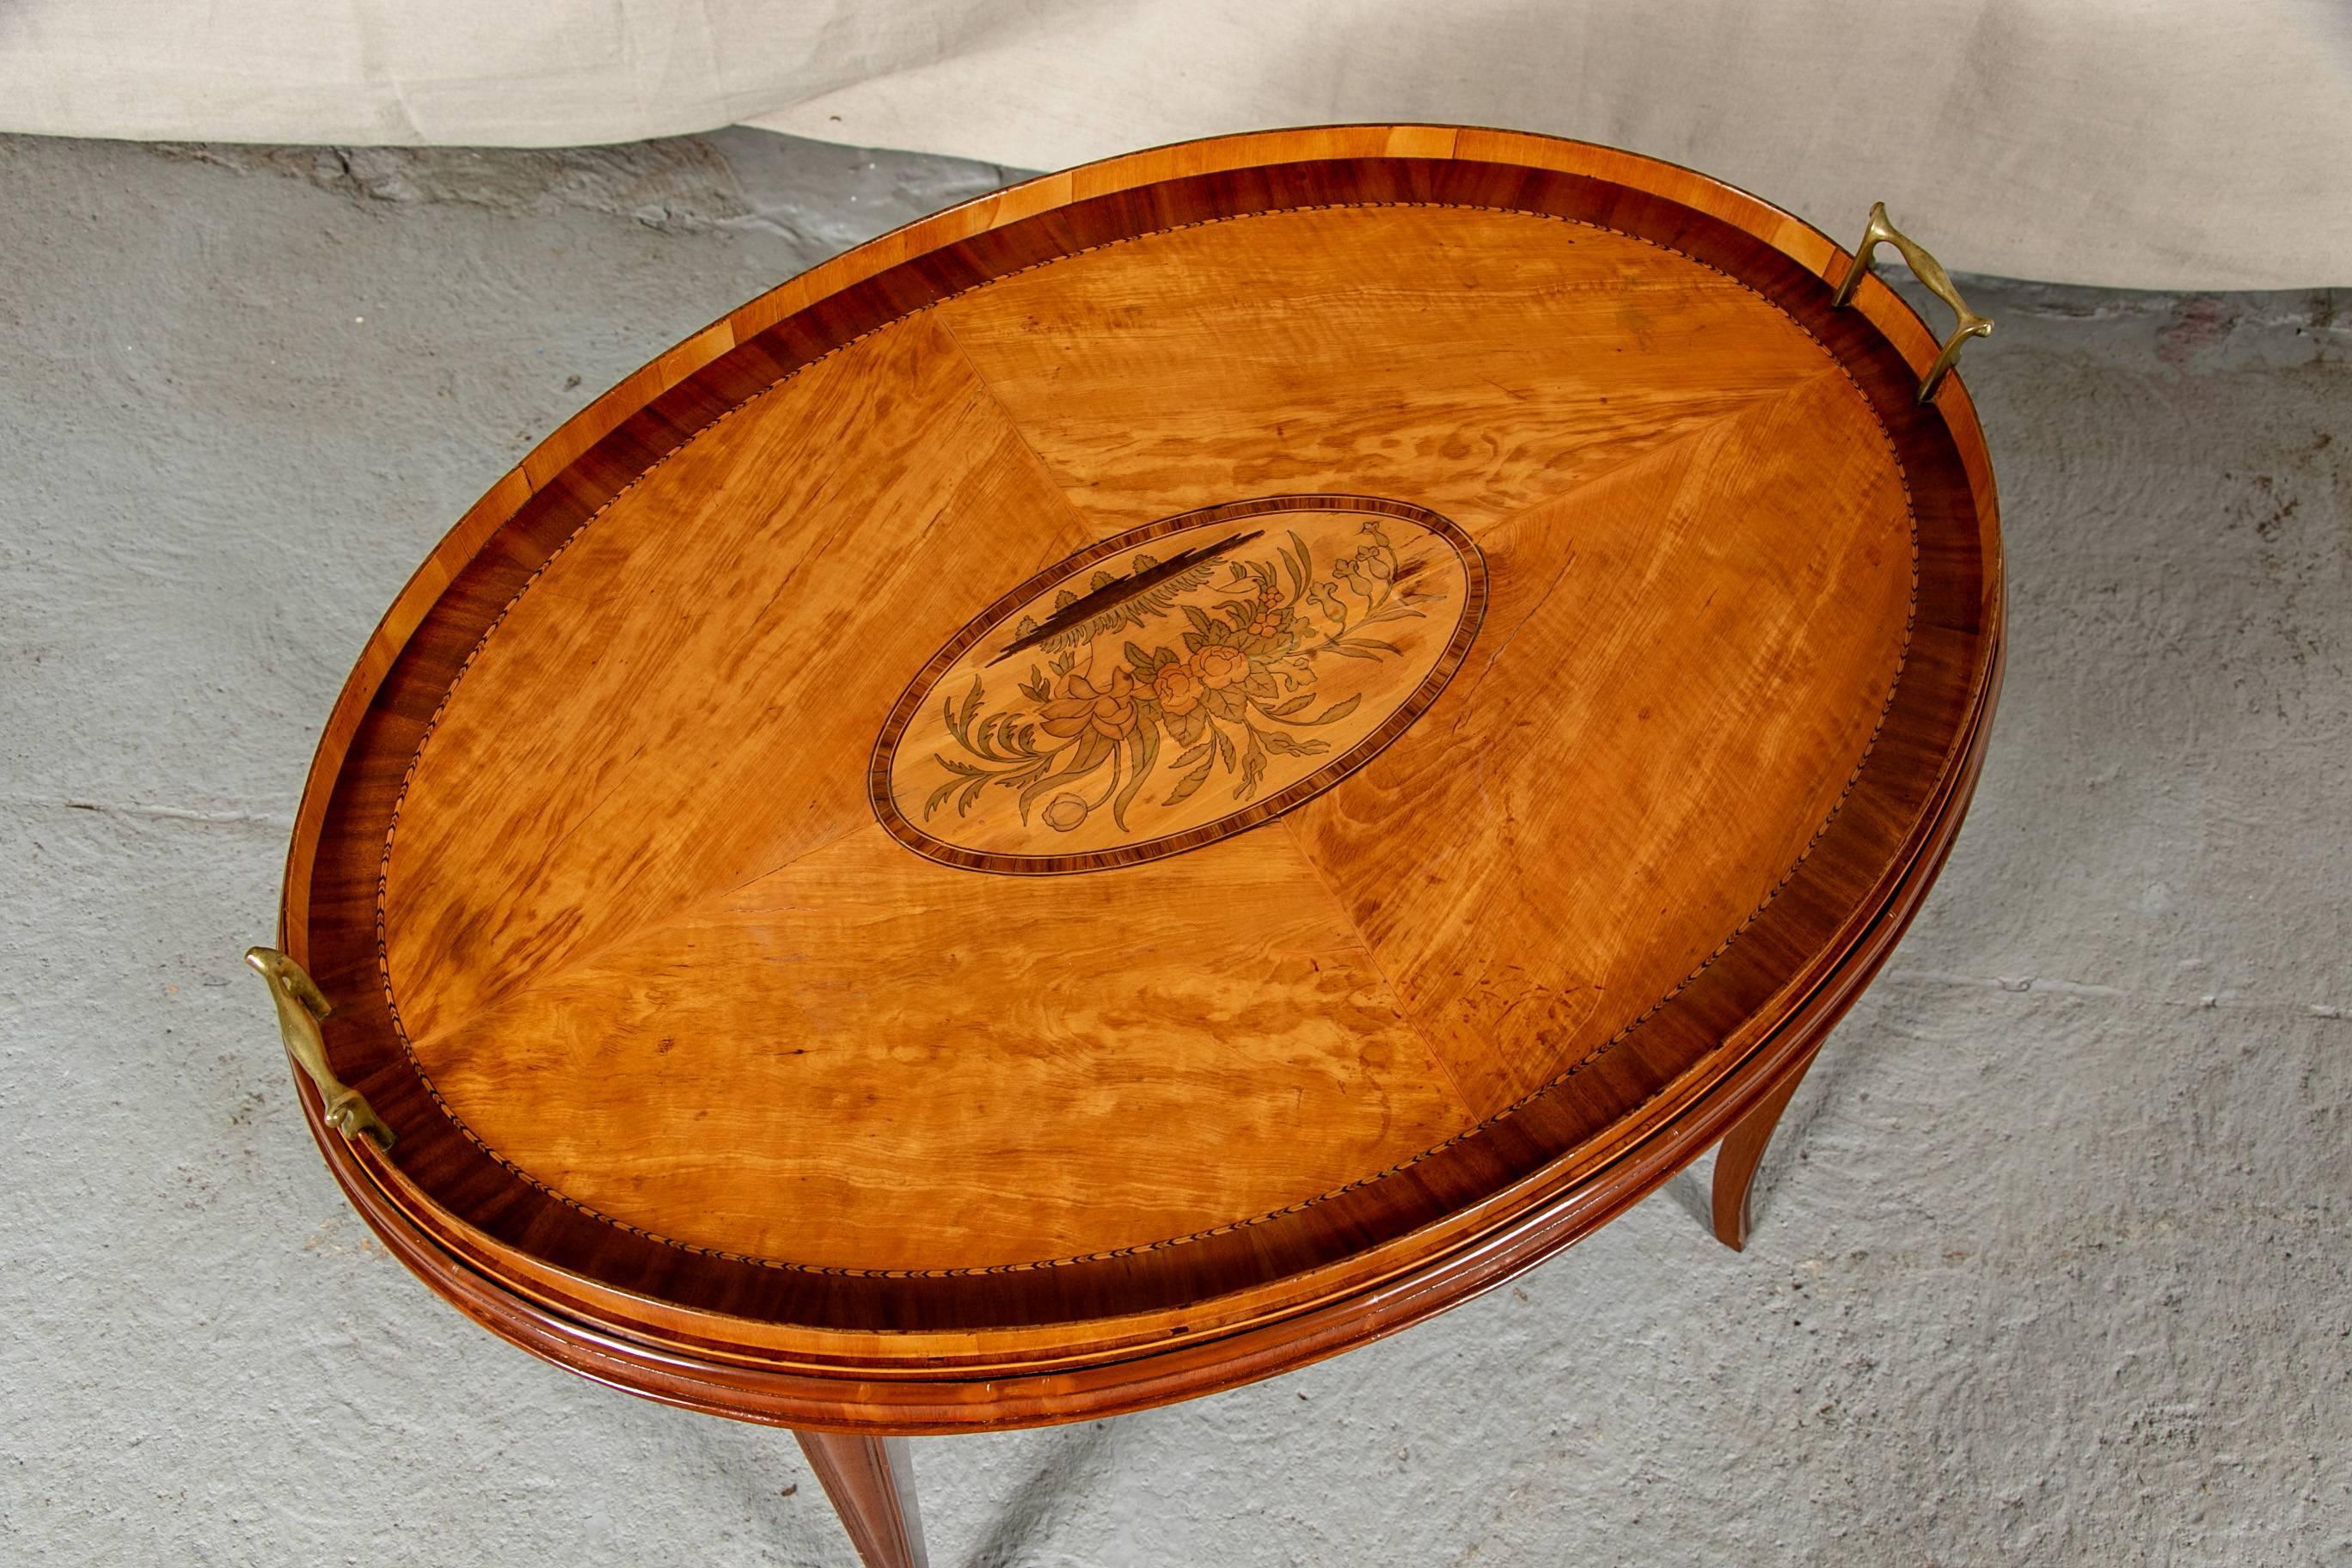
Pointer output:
x,y
1287,823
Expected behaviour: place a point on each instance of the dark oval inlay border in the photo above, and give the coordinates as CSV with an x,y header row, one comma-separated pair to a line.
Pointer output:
x,y
922,691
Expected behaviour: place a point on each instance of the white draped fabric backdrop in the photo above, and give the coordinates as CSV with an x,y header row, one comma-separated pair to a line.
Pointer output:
x,y
2144,144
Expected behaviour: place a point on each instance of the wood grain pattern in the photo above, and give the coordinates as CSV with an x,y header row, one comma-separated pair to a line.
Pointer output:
x,y
1771,552
1477,362
602,764
706,1087
801,1034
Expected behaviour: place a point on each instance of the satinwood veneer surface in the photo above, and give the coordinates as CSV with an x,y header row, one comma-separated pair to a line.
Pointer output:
x,y
1149,776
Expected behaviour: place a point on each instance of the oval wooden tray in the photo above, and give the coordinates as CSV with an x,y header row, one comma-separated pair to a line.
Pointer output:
x,y
1147,778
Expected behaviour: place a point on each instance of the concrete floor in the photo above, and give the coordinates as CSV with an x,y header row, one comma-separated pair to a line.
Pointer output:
x,y
2055,1254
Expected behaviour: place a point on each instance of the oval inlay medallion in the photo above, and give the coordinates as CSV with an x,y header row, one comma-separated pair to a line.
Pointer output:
x,y
1178,683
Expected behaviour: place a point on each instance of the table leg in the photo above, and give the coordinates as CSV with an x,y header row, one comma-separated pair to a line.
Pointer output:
x,y
1743,1151
871,1481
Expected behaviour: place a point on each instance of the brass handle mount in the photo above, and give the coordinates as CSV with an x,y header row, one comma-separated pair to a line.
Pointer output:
x,y
1930,272
301,1006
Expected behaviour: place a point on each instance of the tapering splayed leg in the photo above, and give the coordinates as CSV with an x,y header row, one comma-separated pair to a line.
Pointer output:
x,y
1743,1151
871,1481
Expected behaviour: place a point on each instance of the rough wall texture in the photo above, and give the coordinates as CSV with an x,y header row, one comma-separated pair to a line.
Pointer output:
x,y
2054,1252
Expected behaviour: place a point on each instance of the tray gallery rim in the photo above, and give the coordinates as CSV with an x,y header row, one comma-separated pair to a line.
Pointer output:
x,y
464,1262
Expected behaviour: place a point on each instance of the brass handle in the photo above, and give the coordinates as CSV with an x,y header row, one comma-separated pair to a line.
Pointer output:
x,y
300,1006
1931,272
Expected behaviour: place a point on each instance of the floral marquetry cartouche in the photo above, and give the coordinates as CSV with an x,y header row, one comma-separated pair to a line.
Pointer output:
x,y
1177,683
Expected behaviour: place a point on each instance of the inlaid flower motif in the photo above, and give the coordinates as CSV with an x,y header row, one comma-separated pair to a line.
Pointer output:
x,y
1219,667
1367,569
1067,813
1177,688
1105,705
1325,597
